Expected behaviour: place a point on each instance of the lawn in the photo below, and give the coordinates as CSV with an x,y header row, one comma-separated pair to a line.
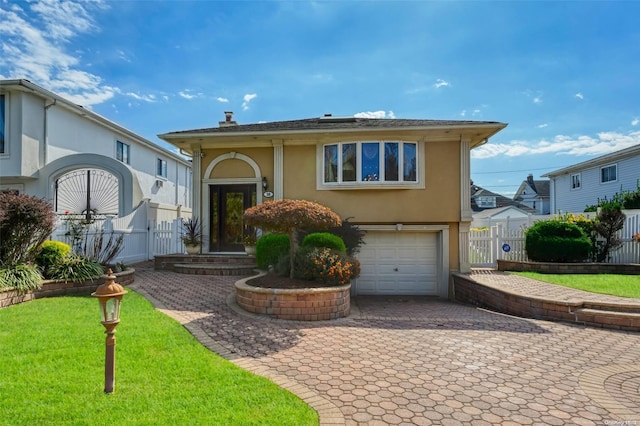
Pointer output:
x,y
52,357
616,285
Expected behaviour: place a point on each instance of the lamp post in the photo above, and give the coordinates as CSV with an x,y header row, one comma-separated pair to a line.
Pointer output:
x,y
110,295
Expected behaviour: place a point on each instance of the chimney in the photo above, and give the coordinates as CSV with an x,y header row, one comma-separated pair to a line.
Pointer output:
x,y
228,122
531,183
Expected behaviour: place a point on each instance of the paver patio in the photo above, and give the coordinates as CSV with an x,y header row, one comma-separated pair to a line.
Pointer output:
x,y
420,361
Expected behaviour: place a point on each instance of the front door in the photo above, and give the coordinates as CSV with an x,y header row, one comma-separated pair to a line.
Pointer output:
x,y
228,203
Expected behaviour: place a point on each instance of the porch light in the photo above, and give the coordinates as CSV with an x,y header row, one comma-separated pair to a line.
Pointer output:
x,y
265,183
109,295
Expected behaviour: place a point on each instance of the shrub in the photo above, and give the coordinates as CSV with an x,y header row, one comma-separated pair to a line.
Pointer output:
x,y
76,268
556,241
324,239
25,223
23,277
270,248
328,266
352,235
609,222
51,252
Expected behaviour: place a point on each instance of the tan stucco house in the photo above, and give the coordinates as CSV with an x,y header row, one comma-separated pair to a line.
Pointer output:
x,y
405,182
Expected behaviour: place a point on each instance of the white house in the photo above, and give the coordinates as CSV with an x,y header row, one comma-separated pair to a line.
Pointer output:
x,y
575,187
82,162
534,194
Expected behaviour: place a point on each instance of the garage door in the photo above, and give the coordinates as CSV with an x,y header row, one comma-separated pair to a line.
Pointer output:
x,y
398,263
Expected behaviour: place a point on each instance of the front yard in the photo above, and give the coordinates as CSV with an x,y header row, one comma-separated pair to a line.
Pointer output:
x,y
612,284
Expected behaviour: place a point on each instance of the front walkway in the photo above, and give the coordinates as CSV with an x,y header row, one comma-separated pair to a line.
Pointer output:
x,y
419,361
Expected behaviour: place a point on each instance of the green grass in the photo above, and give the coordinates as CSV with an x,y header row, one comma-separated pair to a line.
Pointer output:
x,y
52,358
612,284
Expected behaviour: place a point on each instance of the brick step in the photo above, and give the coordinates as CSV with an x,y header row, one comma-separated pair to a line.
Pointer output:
x,y
630,308
601,317
214,269
167,261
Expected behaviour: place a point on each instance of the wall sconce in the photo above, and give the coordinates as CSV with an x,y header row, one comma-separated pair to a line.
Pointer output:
x,y
265,183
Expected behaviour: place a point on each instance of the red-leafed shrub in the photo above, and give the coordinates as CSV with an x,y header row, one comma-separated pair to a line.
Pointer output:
x,y
25,223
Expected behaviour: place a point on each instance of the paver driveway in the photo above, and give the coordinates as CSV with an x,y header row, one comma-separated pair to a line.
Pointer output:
x,y
418,361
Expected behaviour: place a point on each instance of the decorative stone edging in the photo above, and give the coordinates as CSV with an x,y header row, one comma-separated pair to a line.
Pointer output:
x,y
304,304
52,288
569,268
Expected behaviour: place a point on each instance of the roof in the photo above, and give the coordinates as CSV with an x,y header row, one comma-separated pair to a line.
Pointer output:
x,y
501,200
477,131
598,161
492,212
27,86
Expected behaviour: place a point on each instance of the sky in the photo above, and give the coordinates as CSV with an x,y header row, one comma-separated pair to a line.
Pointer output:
x,y
564,75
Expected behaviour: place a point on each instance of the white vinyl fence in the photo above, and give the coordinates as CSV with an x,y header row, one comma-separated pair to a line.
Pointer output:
x,y
143,239
504,239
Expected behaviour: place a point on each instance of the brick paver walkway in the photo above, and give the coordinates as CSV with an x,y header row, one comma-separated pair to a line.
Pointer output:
x,y
419,361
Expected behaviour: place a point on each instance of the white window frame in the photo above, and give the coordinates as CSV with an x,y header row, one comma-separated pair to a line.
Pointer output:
x,y
128,149
419,183
161,167
486,201
615,167
578,180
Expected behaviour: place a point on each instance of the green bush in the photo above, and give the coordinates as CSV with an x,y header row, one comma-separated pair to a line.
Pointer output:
x,y
557,241
23,277
351,235
51,252
270,248
324,239
76,268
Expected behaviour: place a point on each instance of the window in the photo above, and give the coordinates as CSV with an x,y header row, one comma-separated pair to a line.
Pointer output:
x,y
575,181
161,168
365,162
122,152
2,123
486,202
609,173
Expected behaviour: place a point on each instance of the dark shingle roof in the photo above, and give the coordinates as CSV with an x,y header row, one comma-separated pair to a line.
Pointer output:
x,y
334,123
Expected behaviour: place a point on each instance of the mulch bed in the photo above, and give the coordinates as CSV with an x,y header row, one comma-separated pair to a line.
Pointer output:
x,y
276,281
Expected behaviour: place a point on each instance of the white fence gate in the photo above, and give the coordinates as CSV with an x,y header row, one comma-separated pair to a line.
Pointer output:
x,y
143,239
503,240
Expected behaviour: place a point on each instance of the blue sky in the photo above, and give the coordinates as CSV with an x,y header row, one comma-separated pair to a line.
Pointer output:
x,y
565,76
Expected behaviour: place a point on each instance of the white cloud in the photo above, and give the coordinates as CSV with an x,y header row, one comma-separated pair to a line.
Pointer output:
x,y
537,100
463,113
247,99
542,126
375,114
145,98
440,83
188,94
579,95
33,48
223,100
635,121
603,143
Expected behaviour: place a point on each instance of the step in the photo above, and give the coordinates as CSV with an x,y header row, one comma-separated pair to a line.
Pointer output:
x,y
608,318
215,269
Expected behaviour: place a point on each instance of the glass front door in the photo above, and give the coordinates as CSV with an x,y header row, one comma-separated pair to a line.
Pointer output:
x,y
228,203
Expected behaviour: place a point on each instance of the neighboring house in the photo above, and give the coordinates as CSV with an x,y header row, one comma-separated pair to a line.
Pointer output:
x,y
483,199
575,187
512,212
405,182
82,162
534,194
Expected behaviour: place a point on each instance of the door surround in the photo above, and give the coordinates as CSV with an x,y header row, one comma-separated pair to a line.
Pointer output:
x,y
206,202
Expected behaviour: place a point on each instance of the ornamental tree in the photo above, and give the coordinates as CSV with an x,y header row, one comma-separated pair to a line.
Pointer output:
x,y
289,216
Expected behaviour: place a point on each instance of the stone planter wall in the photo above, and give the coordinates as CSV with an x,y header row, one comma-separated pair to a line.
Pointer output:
x,y
569,268
308,304
51,288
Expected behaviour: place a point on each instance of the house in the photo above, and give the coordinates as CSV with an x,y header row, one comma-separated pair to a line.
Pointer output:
x,y
405,182
82,162
575,187
483,199
534,194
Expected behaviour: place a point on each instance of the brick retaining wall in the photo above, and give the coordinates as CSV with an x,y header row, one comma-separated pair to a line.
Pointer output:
x,y
569,268
310,304
52,288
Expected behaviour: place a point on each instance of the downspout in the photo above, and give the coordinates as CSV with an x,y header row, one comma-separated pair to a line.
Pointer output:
x,y
45,148
186,180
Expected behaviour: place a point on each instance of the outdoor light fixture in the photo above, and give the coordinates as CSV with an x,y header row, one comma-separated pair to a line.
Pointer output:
x,y
110,295
265,183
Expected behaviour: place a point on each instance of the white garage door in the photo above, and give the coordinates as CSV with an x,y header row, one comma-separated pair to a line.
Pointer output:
x,y
398,263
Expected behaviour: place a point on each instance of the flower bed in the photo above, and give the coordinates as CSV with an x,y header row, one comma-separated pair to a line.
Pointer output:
x,y
301,304
51,288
